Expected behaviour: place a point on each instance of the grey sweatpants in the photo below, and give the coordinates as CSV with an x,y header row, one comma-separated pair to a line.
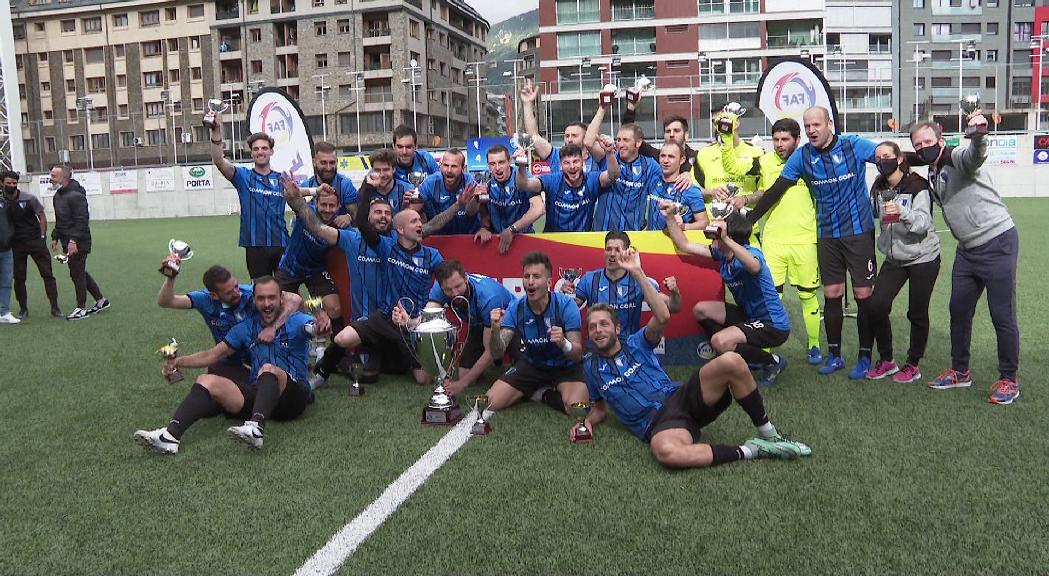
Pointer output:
x,y
991,266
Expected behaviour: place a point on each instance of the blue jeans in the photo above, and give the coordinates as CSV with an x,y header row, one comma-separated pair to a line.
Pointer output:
x,y
7,261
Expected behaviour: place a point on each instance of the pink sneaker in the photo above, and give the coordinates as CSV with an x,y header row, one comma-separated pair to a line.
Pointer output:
x,y
909,373
882,369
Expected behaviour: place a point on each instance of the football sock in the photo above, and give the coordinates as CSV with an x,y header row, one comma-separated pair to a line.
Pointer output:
x,y
552,398
810,313
266,398
833,318
767,430
334,353
754,355
863,327
754,407
196,405
748,454
725,454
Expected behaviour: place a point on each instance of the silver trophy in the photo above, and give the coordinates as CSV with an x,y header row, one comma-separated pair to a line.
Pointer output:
x,y
481,426
181,251
570,275
720,209
642,84
524,141
581,432
434,341
215,107
888,196
970,104
726,120
485,179
415,178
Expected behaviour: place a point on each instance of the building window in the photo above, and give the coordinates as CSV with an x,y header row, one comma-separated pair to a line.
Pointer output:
x,y
121,80
91,25
39,26
19,31
320,28
152,79
318,3
194,42
575,11
45,86
919,4
120,20
149,18
970,27
96,85
173,75
71,85
49,144
343,26
198,104
919,29
255,34
879,43
151,48
578,44
941,29
413,28
256,67
76,142
118,51
992,55
196,11
67,56
322,60
154,109
100,141
69,26
195,73
42,57
127,139
634,41
122,111
170,13
156,137
1022,31
172,44
94,55
942,81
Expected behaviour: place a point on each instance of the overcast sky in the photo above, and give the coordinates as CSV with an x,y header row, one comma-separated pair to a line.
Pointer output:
x,y
499,10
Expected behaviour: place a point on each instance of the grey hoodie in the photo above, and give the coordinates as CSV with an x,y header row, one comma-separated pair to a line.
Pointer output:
x,y
971,205
913,239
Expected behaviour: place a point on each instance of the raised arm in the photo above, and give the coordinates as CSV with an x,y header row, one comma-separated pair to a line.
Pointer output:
x,y
542,145
609,176
631,262
593,132
681,242
769,198
167,298
203,358
749,262
303,210
226,168
533,186
499,337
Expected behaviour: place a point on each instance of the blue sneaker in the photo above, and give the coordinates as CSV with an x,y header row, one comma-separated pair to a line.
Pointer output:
x,y
832,365
863,365
815,356
772,371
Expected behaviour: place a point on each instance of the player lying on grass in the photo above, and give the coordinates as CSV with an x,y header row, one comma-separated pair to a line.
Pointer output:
x,y
624,375
275,388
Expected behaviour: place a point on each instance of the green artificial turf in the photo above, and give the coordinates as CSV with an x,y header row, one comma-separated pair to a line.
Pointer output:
x,y
903,479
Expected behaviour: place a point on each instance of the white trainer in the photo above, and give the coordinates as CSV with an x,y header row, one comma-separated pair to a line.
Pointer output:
x,y
316,381
159,441
8,318
248,433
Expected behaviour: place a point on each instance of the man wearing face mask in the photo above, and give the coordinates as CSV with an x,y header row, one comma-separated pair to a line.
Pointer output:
x,y
28,240
986,257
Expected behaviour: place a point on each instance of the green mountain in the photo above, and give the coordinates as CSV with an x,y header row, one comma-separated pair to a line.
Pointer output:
x,y
502,44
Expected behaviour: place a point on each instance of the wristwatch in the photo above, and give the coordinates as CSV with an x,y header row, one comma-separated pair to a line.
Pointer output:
x,y
513,228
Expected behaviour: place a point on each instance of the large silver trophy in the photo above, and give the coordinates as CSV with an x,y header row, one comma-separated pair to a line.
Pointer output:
x,y
215,107
720,209
970,104
180,251
435,341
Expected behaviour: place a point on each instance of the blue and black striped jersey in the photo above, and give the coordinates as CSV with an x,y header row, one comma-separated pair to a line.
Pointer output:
x,y
624,295
534,329
289,351
589,165
624,206
691,199
507,204
437,198
755,293
343,186
570,209
424,162
261,208
306,252
366,265
486,294
409,274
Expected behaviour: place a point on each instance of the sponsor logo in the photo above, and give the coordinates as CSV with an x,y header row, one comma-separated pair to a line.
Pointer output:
x,y
619,379
197,171
794,93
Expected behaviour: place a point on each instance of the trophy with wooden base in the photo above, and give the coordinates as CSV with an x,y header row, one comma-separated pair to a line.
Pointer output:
x,y
581,433
481,426
434,341
720,209
180,251
169,352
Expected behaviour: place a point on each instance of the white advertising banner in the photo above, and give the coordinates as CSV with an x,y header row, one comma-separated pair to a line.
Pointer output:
x,y
792,86
197,178
123,181
160,179
91,181
43,186
1001,150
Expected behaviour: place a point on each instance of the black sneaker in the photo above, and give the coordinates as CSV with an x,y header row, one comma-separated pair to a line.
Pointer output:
x,y
22,314
99,306
56,312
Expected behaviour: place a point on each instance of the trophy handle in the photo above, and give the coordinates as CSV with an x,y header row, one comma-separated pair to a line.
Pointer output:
x,y
464,327
171,245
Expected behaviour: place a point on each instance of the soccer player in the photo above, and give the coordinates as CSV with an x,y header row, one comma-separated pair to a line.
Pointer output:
x,y
409,157
594,159
549,328
623,373
440,191
708,169
912,255
570,192
988,247
274,388
393,191
326,171
664,187
263,231
757,320
473,297
509,211
675,129
625,206
834,167
612,285
28,240
72,235
788,239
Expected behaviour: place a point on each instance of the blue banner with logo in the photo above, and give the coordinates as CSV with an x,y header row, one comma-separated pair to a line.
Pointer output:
x,y
477,151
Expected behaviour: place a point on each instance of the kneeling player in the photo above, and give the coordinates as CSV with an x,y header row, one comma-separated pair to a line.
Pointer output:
x,y
757,320
275,389
624,375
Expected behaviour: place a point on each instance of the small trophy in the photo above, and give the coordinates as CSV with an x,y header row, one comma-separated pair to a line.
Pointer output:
x,y
570,275
485,179
970,104
62,258
481,426
415,178
355,386
582,433
524,141
215,107
434,342
182,251
169,352
720,209
608,95
729,114
888,196
640,86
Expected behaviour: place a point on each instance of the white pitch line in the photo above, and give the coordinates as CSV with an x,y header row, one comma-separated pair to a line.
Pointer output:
x,y
328,559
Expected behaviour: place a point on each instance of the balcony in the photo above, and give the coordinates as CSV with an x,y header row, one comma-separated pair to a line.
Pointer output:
x,y
795,39
953,64
227,12
630,11
970,10
956,38
377,96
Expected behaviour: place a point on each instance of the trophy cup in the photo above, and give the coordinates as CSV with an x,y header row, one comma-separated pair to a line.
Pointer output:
x,y
582,433
434,341
888,195
729,114
608,95
524,141
481,426
640,86
62,258
415,178
215,107
169,352
355,386
720,209
570,275
172,267
485,179
970,104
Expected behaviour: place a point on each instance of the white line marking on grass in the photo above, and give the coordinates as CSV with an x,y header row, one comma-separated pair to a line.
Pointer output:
x,y
328,559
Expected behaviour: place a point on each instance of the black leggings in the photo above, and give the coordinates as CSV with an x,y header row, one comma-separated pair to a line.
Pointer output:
x,y
262,260
891,278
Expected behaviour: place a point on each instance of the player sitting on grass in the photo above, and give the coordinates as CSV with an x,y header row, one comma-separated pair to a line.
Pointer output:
x,y
624,375
276,386
757,320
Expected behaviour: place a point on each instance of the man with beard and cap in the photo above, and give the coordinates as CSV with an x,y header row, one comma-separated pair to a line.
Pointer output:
x,y
72,235
326,171
509,210
440,191
623,374
570,192
409,157
28,240
275,387
593,158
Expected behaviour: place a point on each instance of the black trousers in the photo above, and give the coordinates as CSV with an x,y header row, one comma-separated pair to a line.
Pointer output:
x,y
37,250
891,278
82,280
262,260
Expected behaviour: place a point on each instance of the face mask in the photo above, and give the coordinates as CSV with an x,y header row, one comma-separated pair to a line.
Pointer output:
x,y
930,153
887,166
10,190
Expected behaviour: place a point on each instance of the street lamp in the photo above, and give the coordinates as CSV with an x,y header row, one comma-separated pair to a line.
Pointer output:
x,y
704,57
919,57
585,61
515,76
413,69
86,106
323,89
476,72
169,95
964,48
357,89
1037,43
613,76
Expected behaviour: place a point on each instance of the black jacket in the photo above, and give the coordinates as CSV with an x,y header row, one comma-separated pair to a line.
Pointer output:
x,y
72,216
6,229
629,116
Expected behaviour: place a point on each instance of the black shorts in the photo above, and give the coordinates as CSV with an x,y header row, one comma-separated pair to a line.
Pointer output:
x,y
230,369
379,333
527,378
292,403
262,260
319,284
685,409
760,333
473,347
854,254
